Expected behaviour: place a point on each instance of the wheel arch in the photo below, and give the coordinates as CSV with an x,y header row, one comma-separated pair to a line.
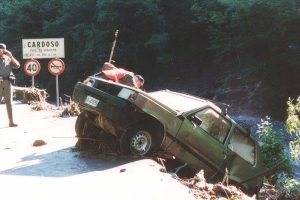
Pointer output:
x,y
154,124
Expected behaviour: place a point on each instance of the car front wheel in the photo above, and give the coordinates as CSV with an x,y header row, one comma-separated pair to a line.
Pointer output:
x,y
138,142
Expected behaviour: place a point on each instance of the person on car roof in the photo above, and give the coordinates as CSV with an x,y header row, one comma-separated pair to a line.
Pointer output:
x,y
119,75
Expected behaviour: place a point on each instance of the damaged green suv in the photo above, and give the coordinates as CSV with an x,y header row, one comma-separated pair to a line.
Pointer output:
x,y
194,130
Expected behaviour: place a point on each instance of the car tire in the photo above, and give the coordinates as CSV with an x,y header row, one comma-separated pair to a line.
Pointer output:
x,y
137,141
79,124
83,125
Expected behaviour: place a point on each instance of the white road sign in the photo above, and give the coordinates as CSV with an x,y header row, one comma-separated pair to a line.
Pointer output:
x,y
43,48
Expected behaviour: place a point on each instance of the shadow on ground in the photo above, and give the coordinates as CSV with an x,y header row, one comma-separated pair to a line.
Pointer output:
x,y
65,162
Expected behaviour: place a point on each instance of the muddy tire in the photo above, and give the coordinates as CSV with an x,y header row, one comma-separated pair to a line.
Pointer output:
x,y
82,125
138,141
79,124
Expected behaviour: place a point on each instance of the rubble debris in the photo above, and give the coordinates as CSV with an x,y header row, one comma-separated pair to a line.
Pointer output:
x,y
203,190
71,109
36,106
104,143
36,98
163,169
271,193
28,95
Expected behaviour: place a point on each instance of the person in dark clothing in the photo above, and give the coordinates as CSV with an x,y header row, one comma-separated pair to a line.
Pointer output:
x,y
7,63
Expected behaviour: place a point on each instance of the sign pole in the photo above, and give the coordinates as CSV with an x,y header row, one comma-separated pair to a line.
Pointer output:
x,y
57,92
56,66
32,81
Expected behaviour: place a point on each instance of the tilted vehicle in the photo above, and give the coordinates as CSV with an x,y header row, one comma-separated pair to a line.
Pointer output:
x,y
194,130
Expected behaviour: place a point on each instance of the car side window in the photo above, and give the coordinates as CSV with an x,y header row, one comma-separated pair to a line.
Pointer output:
x,y
243,145
213,123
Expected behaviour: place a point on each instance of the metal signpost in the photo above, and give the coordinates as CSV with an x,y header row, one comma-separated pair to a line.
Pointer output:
x,y
32,68
56,66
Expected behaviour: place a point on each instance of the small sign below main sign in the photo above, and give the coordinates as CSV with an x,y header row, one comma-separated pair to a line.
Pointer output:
x,y
56,66
43,48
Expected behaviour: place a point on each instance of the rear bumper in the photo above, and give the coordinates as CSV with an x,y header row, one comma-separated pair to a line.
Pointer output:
x,y
105,103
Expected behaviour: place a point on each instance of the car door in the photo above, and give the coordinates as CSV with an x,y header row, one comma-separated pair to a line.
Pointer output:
x,y
243,165
204,133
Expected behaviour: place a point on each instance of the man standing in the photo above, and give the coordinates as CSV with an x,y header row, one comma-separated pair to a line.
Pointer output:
x,y
7,63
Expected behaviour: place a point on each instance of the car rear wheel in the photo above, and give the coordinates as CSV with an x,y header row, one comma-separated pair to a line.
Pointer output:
x,y
79,124
138,142
84,123
83,126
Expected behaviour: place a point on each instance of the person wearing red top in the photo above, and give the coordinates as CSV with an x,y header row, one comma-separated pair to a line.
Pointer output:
x,y
122,76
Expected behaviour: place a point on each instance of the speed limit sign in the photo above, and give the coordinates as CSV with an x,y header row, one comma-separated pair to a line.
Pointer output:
x,y
32,67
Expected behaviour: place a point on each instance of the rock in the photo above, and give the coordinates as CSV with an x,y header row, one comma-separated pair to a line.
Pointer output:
x,y
122,170
37,143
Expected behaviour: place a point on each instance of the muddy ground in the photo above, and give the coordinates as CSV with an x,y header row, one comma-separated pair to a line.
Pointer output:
x,y
56,171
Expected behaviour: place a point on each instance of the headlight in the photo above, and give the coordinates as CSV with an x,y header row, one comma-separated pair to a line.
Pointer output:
x,y
91,82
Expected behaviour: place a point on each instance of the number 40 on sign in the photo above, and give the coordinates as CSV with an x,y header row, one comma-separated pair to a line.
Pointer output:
x,y
32,67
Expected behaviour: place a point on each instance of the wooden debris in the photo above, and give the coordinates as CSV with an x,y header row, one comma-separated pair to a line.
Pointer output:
x,y
222,190
203,190
36,98
27,95
163,169
71,109
199,181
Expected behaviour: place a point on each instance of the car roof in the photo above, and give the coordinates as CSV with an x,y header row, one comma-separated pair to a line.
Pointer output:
x,y
181,102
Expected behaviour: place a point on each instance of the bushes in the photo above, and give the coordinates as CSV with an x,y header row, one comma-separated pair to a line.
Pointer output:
x,y
272,146
273,149
293,127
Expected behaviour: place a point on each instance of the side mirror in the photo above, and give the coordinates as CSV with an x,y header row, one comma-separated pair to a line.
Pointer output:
x,y
195,120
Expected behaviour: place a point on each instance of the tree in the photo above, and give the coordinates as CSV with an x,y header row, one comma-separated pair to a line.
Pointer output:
x,y
293,126
255,41
142,35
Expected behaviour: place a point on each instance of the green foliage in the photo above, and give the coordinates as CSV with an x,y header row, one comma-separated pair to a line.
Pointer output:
x,y
288,188
272,146
260,36
273,151
293,126
236,31
255,38
287,183
142,35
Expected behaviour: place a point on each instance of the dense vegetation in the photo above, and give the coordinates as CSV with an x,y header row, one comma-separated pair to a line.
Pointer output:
x,y
253,44
293,127
274,152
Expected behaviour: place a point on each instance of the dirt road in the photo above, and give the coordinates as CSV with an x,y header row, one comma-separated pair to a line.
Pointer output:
x,y
56,171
